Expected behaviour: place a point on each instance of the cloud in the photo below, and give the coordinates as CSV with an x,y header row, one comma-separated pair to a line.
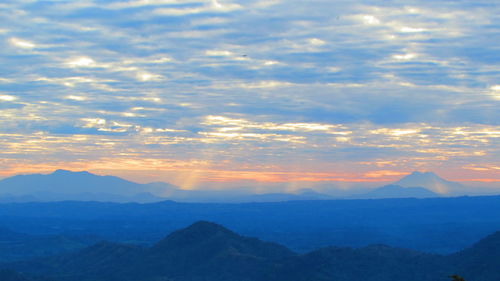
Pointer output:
x,y
212,6
142,3
23,44
253,86
7,98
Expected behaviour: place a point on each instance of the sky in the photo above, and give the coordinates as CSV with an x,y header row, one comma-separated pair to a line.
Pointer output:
x,y
227,93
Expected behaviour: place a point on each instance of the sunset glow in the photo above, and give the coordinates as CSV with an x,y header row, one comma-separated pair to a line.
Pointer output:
x,y
251,92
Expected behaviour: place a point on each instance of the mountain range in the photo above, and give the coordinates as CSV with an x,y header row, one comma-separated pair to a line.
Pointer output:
x,y
84,186
206,251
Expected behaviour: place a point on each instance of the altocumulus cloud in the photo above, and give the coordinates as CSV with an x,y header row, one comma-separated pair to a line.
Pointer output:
x,y
300,90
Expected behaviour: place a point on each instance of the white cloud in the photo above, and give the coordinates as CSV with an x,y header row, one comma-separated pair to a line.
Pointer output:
x,y
146,76
414,69
218,53
93,122
76,98
316,42
21,43
270,62
407,56
495,91
7,98
81,62
142,3
371,20
407,29
213,6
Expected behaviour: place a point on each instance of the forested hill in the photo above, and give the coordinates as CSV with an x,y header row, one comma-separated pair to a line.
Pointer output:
x,y
210,252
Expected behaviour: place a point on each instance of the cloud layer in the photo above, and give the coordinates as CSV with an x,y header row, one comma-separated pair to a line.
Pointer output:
x,y
271,91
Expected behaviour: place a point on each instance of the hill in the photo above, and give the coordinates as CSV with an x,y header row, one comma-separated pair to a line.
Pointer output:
x,y
202,251
375,262
481,262
206,251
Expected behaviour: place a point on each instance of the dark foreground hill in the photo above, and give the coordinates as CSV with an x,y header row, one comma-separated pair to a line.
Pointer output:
x,y
206,251
481,262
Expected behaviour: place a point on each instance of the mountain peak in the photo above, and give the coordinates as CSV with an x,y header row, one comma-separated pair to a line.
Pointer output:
x,y
428,180
64,184
423,174
68,172
207,227
419,173
196,232
61,171
206,240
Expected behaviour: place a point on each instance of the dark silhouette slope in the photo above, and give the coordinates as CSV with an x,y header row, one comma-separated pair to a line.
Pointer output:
x,y
210,250
202,251
481,262
374,263
206,251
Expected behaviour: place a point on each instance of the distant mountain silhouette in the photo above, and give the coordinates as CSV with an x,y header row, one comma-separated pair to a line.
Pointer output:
x,y
396,191
206,251
83,186
63,185
429,181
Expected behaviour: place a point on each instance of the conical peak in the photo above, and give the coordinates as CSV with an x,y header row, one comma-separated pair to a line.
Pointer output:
x,y
419,173
61,171
421,176
206,227
196,233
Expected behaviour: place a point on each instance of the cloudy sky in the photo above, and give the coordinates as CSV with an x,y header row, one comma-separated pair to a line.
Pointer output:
x,y
225,93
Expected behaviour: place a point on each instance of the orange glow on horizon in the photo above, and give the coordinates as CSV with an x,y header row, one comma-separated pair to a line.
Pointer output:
x,y
481,180
193,173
